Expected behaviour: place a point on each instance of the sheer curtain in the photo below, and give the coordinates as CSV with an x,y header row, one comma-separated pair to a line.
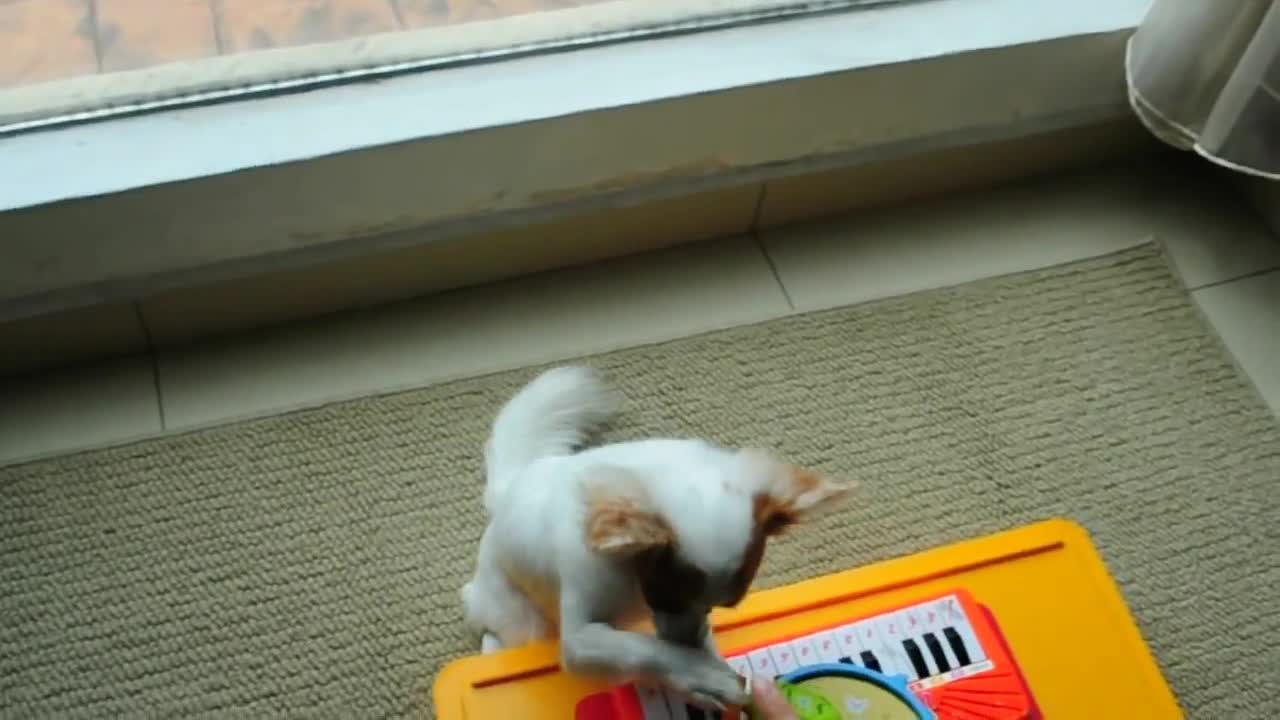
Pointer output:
x,y
1204,75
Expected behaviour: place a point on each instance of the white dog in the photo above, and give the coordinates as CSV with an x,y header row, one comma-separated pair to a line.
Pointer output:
x,y
582,541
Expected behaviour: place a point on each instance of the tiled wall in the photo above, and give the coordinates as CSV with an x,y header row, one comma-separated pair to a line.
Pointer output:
x,y
188,313
1225,254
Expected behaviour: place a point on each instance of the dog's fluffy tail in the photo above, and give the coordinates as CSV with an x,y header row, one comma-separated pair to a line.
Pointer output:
x,y
550,416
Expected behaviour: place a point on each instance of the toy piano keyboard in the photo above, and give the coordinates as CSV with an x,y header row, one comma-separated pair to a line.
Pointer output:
x,y
987,628
947,648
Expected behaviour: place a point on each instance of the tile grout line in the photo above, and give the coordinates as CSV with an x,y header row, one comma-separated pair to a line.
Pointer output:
x,y
1228,348
215,16
398,14
154,355
91,11
759,241
1246,276
755,212
773,268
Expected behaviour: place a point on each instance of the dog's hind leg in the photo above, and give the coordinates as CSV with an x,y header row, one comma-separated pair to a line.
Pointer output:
x,y
493,606
490,643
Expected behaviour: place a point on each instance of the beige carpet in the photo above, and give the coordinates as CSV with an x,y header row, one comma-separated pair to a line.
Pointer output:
x,y
307,564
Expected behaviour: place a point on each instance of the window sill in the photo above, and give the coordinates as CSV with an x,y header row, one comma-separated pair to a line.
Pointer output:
x,y
122,209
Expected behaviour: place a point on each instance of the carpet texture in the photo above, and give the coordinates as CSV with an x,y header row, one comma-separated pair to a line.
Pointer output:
x,y
308,564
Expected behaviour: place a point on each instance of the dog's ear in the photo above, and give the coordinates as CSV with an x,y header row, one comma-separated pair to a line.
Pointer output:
x,y
621,521
790,493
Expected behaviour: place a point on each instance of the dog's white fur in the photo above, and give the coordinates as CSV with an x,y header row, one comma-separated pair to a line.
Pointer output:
x,y
544,567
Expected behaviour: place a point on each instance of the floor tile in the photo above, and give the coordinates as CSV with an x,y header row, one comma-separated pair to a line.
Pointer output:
x,y
1211,232
134,35
1246,314
1265,195
656,296
259,24
77,408
70,337
44,40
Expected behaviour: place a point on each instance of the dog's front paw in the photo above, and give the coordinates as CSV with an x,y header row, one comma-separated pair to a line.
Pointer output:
x,y
711,683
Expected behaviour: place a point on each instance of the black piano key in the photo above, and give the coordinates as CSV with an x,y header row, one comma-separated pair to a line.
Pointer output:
x,y
957,645
695,713
939,655
917,658
847,660
869,661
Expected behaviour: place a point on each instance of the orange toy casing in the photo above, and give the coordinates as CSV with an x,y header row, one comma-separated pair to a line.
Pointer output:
x,y
1057,609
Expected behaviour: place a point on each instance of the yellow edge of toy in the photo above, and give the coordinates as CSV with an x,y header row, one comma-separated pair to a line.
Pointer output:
x,y
465,675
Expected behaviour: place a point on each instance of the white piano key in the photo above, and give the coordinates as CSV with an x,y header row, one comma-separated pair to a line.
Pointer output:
x,y
762,663
806,650
864,639
971,644
953,660
914,627
865,633
653,703
931,666
784,658
949,608
931,618
893,659
931,622
952,615
892,626
868,640
912,621
850,639
828,645
740,665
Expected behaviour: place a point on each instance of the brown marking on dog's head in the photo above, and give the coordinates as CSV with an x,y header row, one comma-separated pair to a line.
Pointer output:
x,y
622,523
747,569
670,584
623,527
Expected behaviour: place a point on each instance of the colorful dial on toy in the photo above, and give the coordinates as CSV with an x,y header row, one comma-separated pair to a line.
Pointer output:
x,y
847,698
842,692
809,704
